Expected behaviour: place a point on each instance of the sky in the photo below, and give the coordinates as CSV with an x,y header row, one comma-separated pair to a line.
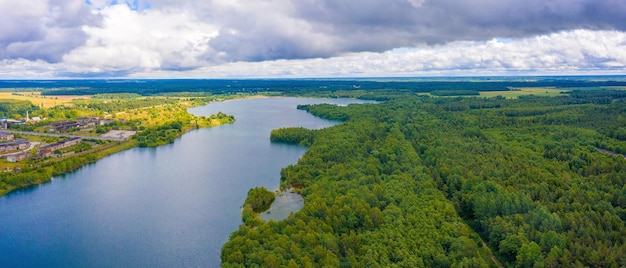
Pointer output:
x,y
41,39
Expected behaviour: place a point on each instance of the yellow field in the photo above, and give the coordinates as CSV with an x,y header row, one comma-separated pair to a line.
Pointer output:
x,y
538,91
37,99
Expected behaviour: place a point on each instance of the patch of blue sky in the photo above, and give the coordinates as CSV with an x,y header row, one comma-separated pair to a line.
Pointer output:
x,y
138,5
504,40
132,4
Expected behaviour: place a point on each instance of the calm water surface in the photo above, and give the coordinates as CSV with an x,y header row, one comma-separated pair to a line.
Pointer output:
x,y
171,206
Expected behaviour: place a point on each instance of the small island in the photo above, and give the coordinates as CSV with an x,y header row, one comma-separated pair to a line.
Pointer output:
x,y
259,200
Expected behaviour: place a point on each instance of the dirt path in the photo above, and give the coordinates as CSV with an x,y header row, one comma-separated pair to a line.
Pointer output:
x,y
493,258
609,152
63,135
32,145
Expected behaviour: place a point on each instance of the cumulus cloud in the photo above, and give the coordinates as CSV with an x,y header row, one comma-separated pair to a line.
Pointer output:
x,y
302,37
289,29
42,29
569,52
266,30
22,68
150,39
275,29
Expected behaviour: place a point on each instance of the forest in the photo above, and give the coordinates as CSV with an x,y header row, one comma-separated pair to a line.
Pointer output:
x,y
420,181
443,86
425,178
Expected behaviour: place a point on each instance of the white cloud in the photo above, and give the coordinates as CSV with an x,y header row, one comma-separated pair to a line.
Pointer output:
x,y
148,39
42,29
22,68
571,52
312,37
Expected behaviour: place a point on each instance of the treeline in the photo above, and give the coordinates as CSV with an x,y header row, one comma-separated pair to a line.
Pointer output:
x,y
160,135
455,92
303,86
10,181
293,135
16,109
173,127
602,96
258,200
123,104
411,182
327,111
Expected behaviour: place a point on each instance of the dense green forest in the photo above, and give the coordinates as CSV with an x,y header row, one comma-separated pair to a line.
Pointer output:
x,y
417,181
259,199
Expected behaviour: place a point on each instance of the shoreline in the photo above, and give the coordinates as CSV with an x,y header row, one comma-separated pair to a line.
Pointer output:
x,y
96,155
129,144
93,157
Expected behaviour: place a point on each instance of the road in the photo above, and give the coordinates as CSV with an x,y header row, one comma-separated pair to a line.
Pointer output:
x,y
62,135
32,145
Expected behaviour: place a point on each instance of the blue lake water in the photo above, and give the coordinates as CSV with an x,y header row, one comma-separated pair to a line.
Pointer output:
x,y
170,206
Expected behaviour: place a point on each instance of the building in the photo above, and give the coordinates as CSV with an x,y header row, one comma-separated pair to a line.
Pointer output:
x,y
92,121
62,125
88,121
6,136
81,122
5,123
48,150
14,145
18,157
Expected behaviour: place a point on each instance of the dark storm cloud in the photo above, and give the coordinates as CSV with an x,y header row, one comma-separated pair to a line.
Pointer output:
x,y
211,32
377,25
41,29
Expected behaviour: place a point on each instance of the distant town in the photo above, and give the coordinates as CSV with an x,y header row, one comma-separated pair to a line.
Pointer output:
x,y
63,138
47,135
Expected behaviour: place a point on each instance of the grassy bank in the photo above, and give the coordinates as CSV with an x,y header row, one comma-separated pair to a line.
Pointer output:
x,y
43,173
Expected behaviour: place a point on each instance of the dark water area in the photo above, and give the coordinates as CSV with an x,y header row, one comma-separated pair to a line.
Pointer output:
x,y
170,206
284,204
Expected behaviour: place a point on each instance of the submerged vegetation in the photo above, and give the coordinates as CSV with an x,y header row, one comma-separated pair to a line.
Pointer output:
x,y
418,181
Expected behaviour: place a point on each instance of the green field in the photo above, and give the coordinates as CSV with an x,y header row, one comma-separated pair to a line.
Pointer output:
x,y
540,91
516,92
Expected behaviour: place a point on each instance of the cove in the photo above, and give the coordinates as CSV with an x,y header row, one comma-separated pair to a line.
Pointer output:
x,y
169,206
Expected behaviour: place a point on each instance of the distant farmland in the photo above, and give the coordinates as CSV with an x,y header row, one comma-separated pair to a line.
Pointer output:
x,y
37,99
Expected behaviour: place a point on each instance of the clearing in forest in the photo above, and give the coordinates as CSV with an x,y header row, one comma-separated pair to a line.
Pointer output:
x,y
40,100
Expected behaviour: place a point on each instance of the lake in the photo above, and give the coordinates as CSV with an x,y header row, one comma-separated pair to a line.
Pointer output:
x,y
170,206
